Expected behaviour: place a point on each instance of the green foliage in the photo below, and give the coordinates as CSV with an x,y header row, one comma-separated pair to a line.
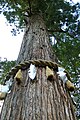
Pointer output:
x,y
5,67
56,13
14,11
68,53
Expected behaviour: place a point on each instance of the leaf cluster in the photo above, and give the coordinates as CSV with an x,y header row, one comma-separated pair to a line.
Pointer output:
x,y
56,13
5,67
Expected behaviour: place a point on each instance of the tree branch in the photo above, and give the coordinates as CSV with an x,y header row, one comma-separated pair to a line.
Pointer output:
x,y
61,31
29,2
56,30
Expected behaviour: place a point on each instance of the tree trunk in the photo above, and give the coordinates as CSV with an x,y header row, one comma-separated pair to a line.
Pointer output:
x,y
38,99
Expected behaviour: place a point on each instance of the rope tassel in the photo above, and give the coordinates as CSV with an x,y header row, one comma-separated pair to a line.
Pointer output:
x,y
2,95
49,73
18,76
64,75
70,85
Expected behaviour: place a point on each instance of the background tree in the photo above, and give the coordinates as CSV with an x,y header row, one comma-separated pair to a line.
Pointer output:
x,y
56,15
5,67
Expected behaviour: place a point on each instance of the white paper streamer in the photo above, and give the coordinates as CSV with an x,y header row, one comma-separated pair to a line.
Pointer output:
x,y
60,69
62,74
32,71
9,82
5,88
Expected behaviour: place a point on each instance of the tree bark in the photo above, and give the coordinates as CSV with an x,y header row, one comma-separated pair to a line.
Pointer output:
x,y
38,99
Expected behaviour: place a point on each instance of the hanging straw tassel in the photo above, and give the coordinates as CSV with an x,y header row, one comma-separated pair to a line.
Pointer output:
x,y
70,85
2,95
49,74
18,76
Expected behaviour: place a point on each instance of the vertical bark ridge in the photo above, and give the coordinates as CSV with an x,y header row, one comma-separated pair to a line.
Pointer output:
x,y
54,101
34,102
30,103
26,104
41,112
62,97
50,96
70,108
44,95
36,114
39,96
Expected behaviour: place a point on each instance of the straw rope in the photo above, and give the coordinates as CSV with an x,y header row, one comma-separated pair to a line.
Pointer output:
x,y
25,65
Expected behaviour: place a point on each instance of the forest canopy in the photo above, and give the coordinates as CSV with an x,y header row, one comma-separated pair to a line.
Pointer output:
x,y
56,14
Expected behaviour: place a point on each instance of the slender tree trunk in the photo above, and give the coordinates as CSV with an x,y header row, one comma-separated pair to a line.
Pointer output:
x,y
40,99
